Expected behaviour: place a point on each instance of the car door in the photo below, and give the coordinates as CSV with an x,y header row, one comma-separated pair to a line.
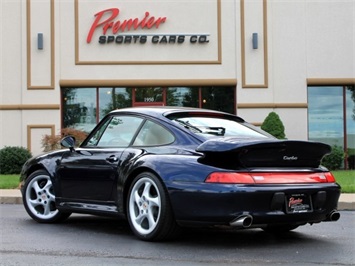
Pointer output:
x,y
89,173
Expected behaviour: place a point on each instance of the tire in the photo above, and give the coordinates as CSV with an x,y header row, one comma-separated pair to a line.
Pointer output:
x,y
39,199
148,209
279,229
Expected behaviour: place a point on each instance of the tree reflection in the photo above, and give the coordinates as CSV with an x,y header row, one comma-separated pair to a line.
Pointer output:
x,y
119,98
182,96
352,90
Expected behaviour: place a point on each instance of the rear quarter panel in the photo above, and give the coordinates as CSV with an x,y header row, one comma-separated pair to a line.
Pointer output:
x,y
171,165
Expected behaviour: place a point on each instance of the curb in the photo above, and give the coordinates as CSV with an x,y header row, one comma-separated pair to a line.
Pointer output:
x,y
10,196
13,196
346,201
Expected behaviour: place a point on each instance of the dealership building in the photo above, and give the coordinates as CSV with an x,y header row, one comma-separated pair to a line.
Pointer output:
x,y
65,64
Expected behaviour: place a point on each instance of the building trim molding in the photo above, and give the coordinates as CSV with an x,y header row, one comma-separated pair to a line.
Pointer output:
x,y
29,132
265,46
330,81
9,107
148,83
30,86
271,105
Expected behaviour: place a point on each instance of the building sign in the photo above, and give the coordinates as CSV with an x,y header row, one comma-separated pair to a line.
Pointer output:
x,y
147,32
112,29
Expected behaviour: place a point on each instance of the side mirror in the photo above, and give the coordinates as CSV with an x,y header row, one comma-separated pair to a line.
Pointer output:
x,y
68,142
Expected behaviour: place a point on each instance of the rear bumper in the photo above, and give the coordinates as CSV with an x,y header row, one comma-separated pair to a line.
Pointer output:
x,y
222,204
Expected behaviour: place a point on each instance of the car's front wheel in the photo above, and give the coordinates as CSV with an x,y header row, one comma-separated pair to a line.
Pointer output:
x,y
148,209
39,199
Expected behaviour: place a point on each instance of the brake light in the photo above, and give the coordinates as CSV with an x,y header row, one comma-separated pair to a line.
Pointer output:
x,y
269,178
230,178
330,177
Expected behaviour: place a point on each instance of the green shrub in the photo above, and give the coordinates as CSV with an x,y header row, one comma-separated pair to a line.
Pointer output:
x,y
274,126
334,160
12,159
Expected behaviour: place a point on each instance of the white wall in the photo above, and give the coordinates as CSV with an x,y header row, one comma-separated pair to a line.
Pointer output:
x,y
11,77
306,39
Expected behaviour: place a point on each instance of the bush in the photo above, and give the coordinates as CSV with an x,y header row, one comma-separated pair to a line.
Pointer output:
x,y
274,126
334,160
51,143
12,159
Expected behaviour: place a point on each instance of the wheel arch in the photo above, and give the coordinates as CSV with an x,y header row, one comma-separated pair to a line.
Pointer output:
x,y
30,170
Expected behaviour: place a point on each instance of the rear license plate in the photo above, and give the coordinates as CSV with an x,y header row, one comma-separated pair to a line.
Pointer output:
x,y
298,203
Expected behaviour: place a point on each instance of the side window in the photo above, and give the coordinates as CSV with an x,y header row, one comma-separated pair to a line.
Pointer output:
x,y
119,132
153,134
96,137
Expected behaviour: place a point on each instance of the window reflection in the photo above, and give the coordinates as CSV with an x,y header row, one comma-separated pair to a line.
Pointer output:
x,y
350,111
325,115
149,94
182,96
218,98
83,108
79,108
350,125
114,98
331,117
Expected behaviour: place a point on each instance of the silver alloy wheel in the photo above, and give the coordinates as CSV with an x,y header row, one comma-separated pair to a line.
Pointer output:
x,y
40,198
145,205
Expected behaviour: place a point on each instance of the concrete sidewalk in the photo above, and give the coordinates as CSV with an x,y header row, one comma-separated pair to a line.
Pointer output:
x,y
13,196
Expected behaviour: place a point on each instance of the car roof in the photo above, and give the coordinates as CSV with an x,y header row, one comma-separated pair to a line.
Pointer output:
x,y
164,110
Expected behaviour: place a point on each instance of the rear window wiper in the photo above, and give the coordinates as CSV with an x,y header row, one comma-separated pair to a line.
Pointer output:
x,y
188,126
218,131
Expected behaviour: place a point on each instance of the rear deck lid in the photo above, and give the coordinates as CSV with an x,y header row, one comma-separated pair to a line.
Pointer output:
x,y
233,153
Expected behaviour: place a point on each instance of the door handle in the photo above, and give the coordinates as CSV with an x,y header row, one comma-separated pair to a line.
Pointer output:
x,y
112,159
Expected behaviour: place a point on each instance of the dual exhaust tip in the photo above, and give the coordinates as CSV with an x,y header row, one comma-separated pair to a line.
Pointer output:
x,y
246,221
334,216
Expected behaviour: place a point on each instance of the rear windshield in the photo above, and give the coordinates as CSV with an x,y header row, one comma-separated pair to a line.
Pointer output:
x,y
212,126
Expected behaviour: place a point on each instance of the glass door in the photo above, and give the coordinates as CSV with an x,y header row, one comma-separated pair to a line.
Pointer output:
x,y
149,96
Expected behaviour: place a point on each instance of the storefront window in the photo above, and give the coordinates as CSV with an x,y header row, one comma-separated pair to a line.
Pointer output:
x,y
149,94
183,96
350,125
79,108
83,108
218,98
331,116
325,115
113,98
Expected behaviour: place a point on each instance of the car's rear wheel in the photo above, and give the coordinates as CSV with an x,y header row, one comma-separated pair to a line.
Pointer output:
x,y
148,209
39,199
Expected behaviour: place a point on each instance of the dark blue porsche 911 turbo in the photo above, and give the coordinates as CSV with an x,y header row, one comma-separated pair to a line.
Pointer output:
x,y
167,167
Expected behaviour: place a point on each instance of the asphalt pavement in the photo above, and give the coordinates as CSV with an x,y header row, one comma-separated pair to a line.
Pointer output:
x,y
13,196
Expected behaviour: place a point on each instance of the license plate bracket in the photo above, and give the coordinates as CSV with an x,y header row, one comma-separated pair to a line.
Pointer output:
x,y
298,203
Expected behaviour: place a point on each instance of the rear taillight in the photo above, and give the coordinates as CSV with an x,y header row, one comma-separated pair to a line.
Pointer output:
x,y
230,178
269,178
330,177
